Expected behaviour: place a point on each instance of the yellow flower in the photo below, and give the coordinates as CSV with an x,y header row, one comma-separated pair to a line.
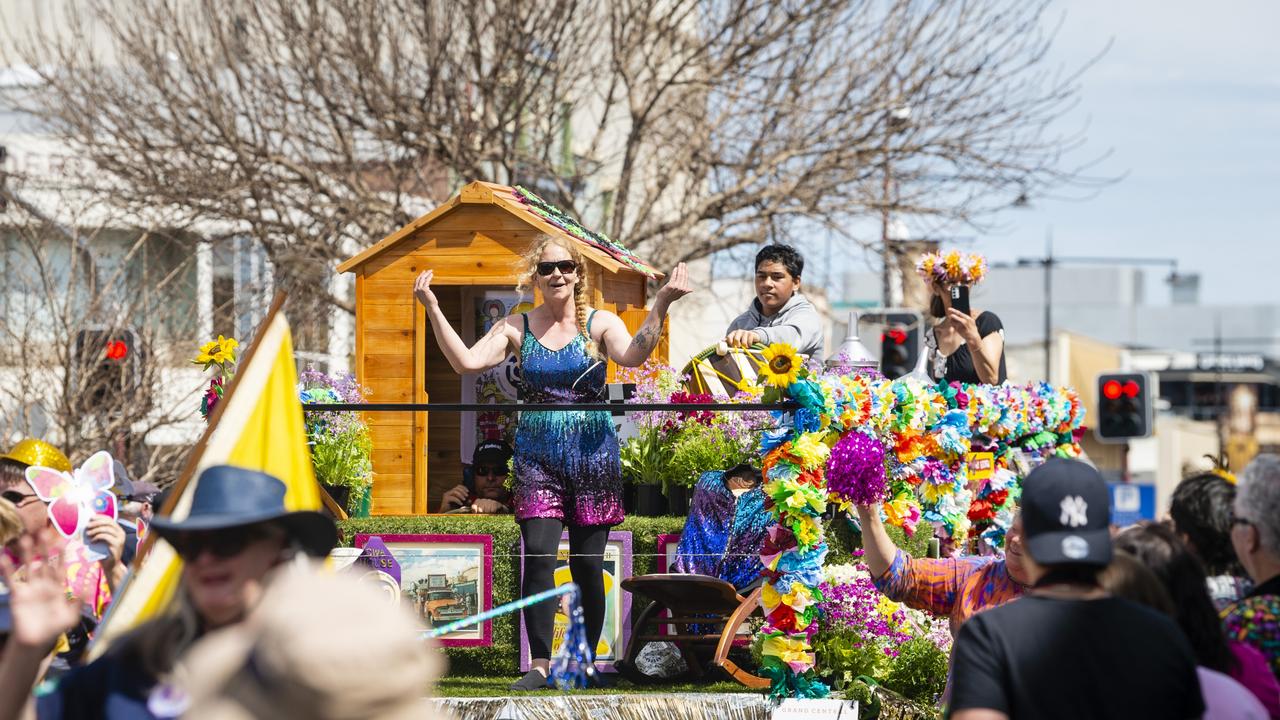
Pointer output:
x,y
793,652
933,493
228,344
797,500
952,262
781,365
807,531
811,450
769,598
886,607
798,599
898,509
219,357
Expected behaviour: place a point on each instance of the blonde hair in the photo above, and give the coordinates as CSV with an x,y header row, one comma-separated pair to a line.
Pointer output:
x,y
158,644
581,289
11,525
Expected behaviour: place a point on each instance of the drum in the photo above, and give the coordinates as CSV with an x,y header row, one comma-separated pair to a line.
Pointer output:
x,y
723,370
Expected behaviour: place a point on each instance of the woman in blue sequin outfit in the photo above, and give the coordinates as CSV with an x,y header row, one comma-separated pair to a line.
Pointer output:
x,y
566,463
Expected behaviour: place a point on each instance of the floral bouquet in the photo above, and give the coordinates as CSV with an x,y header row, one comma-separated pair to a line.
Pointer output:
x,y
341,446
863,634
675,447
219,354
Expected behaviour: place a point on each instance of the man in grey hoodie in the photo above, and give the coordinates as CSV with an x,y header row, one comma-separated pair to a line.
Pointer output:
x,y
779,313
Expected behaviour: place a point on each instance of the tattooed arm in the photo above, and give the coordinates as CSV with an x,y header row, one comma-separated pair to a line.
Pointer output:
x,y
629,351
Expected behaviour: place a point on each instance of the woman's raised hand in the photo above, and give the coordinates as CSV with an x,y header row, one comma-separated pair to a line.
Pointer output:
x,y
677,285
422,289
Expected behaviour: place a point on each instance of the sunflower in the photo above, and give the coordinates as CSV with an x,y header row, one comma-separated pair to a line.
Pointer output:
x,y
781,365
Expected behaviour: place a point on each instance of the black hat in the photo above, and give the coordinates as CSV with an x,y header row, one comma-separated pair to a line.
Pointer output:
x,y
229,497
494,452
1066,514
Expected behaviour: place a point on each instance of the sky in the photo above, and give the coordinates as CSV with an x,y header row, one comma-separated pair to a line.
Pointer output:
x,y
1187,100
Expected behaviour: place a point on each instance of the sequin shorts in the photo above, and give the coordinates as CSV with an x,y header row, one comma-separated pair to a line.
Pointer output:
x,y
566,467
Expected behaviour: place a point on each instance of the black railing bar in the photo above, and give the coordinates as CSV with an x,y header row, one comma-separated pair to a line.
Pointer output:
x,y
547,407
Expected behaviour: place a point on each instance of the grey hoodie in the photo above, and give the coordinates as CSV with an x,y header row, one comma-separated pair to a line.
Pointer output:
x,y
796,324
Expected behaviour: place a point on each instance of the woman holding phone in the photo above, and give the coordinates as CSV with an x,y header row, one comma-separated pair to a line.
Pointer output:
x,y
964,345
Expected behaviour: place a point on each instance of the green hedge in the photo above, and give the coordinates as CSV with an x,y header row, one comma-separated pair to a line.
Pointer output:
x,y
500,658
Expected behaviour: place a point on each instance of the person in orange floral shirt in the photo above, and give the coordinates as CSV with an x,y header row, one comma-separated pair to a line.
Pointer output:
x,y
956,587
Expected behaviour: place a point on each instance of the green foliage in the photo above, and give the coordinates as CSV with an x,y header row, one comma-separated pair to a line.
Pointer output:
x,y
341,445
644,457
843,538
501,658
345,458
699,448
842,656
919,672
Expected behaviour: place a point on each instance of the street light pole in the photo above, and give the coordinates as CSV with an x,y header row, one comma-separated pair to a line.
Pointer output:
x,y
1048,304
896,120
886,252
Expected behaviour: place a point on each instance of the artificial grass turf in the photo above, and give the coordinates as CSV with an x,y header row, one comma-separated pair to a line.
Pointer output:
x,y
488,686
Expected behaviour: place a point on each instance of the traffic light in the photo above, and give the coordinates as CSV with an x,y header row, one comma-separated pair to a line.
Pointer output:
x,y
1124,406
895,355
108,368
899,343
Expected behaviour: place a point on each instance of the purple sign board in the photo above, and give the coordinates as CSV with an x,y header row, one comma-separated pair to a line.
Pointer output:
x,y
376,556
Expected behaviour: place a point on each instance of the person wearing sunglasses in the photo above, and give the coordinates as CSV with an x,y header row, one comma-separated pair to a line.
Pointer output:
x,y
236,533
92,578
566,464
486,490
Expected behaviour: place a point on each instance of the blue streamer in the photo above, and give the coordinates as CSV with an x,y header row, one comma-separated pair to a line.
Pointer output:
x,y
573,667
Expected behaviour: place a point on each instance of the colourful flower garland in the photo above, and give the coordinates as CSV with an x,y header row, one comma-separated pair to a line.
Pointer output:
x,y
861,439
565,222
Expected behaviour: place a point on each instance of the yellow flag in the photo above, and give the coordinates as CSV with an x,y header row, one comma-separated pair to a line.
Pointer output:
x,y
258,424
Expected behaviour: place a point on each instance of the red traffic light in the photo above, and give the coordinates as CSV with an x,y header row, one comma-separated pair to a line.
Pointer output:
x,y
116,350
1111,389
1131,389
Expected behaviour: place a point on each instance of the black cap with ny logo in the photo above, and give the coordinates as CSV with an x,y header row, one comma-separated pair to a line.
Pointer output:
x,y
1066,514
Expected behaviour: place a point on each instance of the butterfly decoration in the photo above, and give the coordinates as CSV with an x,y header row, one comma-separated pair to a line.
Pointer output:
x,y
75,497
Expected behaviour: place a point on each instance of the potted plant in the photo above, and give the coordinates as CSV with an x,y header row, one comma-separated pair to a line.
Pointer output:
x,y
644,460
645,454
341,447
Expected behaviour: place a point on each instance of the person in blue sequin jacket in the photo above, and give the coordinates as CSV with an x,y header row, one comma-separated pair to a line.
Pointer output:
x,y
726,528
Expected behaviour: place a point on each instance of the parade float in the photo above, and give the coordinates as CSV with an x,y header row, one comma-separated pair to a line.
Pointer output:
x,y
943,462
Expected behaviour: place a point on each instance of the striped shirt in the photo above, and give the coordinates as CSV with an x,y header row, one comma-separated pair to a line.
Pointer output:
x,y
958,588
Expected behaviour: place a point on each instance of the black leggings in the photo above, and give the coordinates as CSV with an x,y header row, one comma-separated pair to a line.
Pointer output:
x,y
586,564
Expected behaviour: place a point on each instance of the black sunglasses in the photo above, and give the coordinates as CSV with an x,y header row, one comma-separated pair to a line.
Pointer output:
x,y
566,267
17,498
220,543
488,470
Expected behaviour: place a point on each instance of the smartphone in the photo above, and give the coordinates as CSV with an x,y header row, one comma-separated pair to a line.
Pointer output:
x,y
960,298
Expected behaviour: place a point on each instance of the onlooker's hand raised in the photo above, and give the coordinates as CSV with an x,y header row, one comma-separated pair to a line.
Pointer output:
x,y
38,599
